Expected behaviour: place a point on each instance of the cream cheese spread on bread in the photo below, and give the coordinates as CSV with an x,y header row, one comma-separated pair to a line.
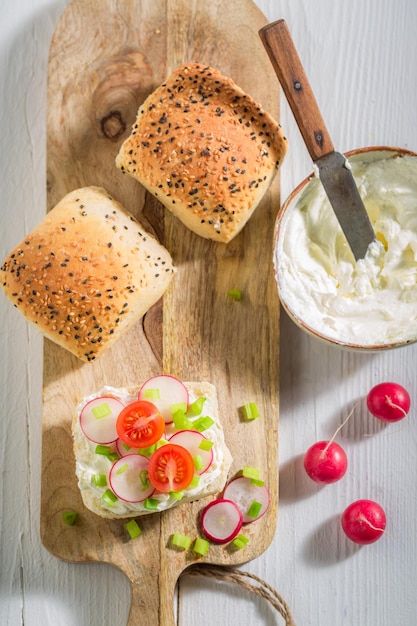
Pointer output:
x,y
90,464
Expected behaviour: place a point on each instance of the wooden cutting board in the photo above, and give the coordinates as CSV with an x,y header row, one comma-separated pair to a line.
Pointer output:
x,y
105,58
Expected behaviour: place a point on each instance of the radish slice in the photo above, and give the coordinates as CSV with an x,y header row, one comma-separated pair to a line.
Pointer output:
x,y
164,391
98,419
221,520
252,499
129,478
191,440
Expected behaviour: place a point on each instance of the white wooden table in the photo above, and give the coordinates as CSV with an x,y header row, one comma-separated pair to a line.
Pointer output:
x,y
360,57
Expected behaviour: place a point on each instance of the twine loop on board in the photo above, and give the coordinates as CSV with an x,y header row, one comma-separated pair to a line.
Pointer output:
x,y
249,581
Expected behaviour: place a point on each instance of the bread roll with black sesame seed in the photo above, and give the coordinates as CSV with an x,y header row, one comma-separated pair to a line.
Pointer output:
x,y
86,273
205,149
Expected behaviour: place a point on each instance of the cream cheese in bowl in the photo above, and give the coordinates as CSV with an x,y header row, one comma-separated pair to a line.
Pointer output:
x,y
367,304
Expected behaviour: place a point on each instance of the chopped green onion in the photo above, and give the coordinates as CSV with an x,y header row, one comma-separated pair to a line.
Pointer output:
x,y
122,469
178,495
179,406
152,394
251,472
99,480
180,421
126,447
133,528
102,410
203,423
250,411
240,542
194,482
206,445
257,483
160,443
180,541
236,294
113,456
196,407
69,517
198,462
151,504
201,546
109,497
149,450
254,509
104,450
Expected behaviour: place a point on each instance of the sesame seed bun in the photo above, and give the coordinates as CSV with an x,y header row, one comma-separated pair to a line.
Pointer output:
x,y
86,273
205,149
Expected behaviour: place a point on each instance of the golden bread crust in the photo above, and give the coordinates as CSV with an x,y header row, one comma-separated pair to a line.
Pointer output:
x,y
205,149
86,273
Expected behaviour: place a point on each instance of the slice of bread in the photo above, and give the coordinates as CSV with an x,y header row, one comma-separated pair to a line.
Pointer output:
x,y
205,149
86,273
88,463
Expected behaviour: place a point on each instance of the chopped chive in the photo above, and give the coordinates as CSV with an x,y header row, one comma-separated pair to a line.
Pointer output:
x,y
179,406
206,445
69,517
236,294
151,504
251,472
180,421
201,546
149,450
250,411
194,482
257,483
104,450
203,423
102,410
180,541
196,407
122,469
240,542
133,528
198,462
254,509
99,480
109,497
178,495
153,394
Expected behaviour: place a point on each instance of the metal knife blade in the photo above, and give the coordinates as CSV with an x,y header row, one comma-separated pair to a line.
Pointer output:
x,y
334,171
342,191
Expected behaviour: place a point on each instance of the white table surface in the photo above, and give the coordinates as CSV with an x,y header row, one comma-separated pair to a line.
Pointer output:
x,y
360,57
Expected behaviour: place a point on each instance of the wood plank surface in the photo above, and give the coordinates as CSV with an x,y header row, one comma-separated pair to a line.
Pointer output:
x,y
105,58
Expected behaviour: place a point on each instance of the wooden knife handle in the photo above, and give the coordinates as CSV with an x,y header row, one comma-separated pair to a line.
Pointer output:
x,y
280,47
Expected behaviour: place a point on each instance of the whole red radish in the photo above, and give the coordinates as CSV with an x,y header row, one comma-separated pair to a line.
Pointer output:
x,y
325,462
388,402
364,521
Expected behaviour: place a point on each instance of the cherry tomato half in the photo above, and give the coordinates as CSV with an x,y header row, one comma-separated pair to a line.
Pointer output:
x,y
171,468
140,424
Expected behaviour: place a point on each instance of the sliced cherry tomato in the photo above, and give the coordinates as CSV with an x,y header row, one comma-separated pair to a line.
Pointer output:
x,y
140,424
171,468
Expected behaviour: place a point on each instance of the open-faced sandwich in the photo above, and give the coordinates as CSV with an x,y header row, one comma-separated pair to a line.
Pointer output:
x,y
205,149
86,273
150,448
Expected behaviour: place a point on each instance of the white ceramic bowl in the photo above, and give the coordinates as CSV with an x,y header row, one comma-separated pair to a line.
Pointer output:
x,y
286,287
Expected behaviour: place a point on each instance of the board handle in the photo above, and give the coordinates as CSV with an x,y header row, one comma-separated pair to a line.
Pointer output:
x,y
152,600
283,55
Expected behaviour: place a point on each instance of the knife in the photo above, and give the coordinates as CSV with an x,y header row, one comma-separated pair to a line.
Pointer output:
x,y
334,169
